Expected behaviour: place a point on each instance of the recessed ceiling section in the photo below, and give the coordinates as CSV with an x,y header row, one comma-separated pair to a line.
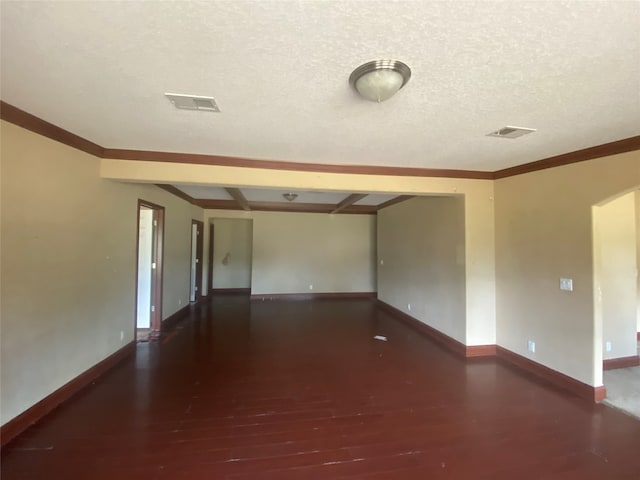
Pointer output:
x,y
233,198
375,199
266,195
205,192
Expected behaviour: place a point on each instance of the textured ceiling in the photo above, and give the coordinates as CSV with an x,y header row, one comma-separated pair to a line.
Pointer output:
x,y
279,72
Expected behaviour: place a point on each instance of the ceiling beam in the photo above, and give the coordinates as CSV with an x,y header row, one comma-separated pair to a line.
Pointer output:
x,y
350,200
177,192
395,200
239,197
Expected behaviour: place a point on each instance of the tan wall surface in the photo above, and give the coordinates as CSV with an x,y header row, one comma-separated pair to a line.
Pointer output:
x,y
331,253
544,232
421,261
68,264
479,213
233,240
637,197
616,305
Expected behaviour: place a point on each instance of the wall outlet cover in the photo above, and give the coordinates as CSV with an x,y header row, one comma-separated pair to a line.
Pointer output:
x,y
566,284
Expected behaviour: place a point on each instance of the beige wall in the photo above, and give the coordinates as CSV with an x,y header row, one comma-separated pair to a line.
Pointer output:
x,y
544,232
478,205
421,261
68,264
233,240
334,253
313,253
637,198
615,282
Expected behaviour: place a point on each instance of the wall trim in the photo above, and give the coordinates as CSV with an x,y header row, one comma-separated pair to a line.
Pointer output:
x,y
565,382
621,362
230,291
448,342
311,296
480,351
35,413
224,161
35,124
598,151
178,193
172,320
457,347
593,394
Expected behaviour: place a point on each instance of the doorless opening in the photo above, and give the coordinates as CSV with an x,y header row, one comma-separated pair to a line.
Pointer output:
x,y
149,248
195,292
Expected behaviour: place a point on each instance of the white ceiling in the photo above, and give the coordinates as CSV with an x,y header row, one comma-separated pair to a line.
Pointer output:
x,y
279,72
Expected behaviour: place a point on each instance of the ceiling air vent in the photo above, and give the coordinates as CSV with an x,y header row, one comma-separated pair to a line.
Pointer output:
x,y
193,102
511,132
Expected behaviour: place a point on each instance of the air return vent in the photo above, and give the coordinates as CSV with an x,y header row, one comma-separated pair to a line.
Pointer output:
x,y
511,132
193,102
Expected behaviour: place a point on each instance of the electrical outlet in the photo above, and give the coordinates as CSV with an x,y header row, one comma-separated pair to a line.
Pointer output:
x,y
607,346
566,284
381,262
310,286
532,346
121,335
409,306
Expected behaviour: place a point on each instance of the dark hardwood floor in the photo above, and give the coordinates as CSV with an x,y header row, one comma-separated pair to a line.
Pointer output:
x,y
301,390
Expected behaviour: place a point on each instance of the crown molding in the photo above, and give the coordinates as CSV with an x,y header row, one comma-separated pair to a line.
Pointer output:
x,y
224,161
606,149
35,124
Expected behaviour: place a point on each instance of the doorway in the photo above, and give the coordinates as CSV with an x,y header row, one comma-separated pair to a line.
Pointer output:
x,y
149,251
210,265
615,251
195,292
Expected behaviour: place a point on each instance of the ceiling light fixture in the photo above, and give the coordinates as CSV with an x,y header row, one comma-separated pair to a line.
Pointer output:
x,y
290,196
379,80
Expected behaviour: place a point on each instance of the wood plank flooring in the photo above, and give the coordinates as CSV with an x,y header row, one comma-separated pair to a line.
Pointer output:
x,y
301,390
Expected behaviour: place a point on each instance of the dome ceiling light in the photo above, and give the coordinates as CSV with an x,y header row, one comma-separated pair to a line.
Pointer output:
x,y
290,196
379,80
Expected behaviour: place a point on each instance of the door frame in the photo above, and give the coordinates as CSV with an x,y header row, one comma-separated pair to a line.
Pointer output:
x,y
199,253
210,263
157,255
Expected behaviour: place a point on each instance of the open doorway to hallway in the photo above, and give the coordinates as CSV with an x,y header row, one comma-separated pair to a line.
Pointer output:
x,y
149,248
195,290
616,244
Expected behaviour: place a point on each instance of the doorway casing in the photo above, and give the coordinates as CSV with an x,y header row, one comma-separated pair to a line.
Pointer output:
x,y
152,262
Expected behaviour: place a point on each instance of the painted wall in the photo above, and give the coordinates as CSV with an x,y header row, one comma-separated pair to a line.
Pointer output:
x,y
68,264
310,252
479,213
615,281
637,198
544,232
421,261
233,242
